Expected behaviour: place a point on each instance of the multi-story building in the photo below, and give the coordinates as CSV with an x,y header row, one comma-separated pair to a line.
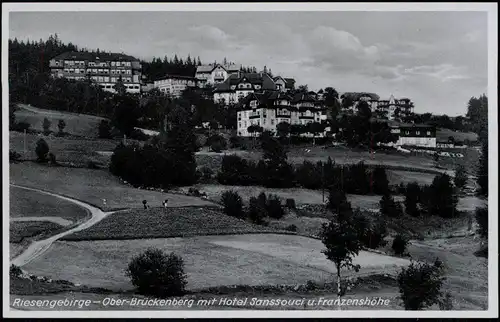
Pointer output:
x,y
269,108
390,109
103,68
239,85
421,135
214,74
174,85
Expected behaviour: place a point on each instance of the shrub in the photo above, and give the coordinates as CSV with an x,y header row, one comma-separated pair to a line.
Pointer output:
x,y
375,234
14,156
233,204
399,244
274,208
46,126
157,273
61,125
42,150
446,304
291,227
308,175
206,173
442,198
52,158
412,194
237,171
389,207
460,178
482,221
22,126
138,135
290,203
256,211
420,285
380,181
235,141
217,143
104,130
15,271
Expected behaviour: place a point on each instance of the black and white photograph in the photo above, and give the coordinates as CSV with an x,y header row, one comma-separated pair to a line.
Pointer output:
x,y
250,160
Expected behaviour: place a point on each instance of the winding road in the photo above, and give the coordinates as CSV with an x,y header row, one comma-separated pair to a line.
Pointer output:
x,y
41,246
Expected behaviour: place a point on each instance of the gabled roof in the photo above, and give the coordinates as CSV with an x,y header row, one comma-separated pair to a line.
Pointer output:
x,y
289,83
210,67
262,79
102,56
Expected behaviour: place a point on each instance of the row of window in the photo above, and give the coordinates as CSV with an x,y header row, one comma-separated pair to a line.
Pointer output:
x,y
280,112
245,124
98,71
108,86
95,64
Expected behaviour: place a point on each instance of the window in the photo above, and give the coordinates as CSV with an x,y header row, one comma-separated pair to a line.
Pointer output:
x,y
418,132
272,121
429,133
239,124
264,122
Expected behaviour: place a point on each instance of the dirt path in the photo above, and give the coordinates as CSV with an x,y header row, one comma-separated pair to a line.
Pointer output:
x,y
39,247
55,220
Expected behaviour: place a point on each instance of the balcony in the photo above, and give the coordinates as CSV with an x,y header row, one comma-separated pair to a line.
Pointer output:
x,y
254,116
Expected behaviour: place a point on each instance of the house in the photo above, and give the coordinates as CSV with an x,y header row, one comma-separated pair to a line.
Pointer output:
x,y
213,74
174,85
269,108
284,84
239,85
421,135
390,109
105,69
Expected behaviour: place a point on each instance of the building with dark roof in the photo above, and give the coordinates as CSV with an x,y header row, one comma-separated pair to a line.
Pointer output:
x,y
239,85
269,108
103,68
390,109
422,135
213,74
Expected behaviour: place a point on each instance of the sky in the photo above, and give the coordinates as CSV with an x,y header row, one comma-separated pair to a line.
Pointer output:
x,y
437,59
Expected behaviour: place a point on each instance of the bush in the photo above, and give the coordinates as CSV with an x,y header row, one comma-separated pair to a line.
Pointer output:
x,y
237,171
22,126
157,273
412,194
15,271
442,199
420,285
206,173
399,244
482,221
14,156
42,150
61,125
52,158
233,204
217,143
46,126
274,208
460,179
375,234
291,227
389,207
290,203
257,211
138,135
380,181
104,130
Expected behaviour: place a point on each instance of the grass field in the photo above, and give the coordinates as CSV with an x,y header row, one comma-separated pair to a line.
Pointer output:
x,y
444,134
92,186
76,124
256,259
18,231
173,222
74,150
26,203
